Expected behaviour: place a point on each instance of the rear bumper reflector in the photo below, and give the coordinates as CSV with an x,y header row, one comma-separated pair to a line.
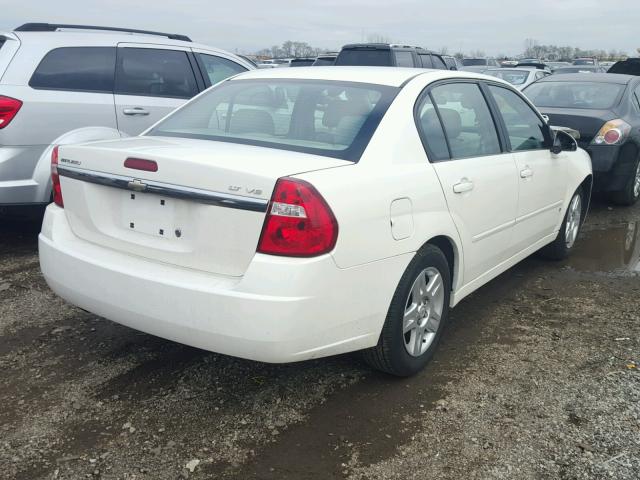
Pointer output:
x,y
167,190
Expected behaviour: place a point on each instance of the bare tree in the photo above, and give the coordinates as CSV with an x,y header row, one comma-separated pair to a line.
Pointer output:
x,y
378,38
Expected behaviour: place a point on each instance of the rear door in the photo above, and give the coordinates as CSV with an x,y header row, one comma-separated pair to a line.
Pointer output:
x,y
151,81
478,178
541,175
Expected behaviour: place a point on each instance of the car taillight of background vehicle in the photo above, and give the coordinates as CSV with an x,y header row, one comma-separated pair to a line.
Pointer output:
x,y
299,222
55,178
614,132
9,108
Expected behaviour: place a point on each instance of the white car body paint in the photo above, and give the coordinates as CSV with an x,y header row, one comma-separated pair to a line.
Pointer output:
x,y
210,289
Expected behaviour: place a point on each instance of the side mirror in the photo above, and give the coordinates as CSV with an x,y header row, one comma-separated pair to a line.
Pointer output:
x,y
563,142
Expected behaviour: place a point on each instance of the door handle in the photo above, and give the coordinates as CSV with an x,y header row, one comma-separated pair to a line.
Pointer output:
x,y
465,185
526,173
135,111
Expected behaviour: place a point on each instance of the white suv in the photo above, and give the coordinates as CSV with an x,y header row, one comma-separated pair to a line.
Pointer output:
x,y
63,84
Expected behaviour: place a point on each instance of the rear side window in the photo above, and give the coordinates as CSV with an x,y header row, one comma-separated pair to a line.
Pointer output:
x,y
404,59
218,68
365,57
467,120
431,130
155,73
88,69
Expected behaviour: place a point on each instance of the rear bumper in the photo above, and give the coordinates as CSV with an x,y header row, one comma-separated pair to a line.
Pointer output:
x,y
613,165
22,180
281,310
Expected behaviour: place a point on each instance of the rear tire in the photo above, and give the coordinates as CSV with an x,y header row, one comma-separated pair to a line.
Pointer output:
x,y
416,317
559,249
630,194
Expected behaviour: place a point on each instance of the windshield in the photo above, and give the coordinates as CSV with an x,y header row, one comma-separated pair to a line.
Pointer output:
x,y
514,77
474,62
584,61
587,95
366,57
330,118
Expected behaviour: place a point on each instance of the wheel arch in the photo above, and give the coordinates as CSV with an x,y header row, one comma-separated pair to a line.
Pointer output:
x,y
449,247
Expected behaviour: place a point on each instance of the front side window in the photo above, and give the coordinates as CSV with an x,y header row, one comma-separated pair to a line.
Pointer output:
x,y
154,73
335,119
218,68
425,60
467,120
587,95
438,63
526,130
77,69
404,59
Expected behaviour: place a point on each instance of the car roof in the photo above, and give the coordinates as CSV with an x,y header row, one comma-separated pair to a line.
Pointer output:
x,y
590,77
102,37
390,76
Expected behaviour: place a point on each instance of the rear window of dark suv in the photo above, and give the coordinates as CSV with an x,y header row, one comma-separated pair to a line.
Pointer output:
x,y
373,57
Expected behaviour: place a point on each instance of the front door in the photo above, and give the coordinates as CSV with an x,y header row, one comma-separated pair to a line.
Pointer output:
x,y
541,174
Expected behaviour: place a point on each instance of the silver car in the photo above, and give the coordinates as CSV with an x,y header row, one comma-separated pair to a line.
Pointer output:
x,y
63,84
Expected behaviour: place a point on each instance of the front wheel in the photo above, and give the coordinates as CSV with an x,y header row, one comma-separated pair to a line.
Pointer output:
x,y
417,314
559,249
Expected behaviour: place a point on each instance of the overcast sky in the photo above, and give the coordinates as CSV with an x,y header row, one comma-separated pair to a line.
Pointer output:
x,y
494,26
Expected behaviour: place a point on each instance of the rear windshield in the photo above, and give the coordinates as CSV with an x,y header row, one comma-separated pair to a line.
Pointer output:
x,y
585,69
474,62
324,62
365,57
627,67
335,119
587,95
514,77
584,62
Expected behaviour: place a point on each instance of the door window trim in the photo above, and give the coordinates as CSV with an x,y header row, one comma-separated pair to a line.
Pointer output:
x,y
502,141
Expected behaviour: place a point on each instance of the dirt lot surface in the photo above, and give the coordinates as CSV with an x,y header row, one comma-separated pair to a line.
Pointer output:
x,y
537,377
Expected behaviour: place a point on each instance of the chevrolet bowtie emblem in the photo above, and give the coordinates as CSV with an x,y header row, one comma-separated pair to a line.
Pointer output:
x,y
137,185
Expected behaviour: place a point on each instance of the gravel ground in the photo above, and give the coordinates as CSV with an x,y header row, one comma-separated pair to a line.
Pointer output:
x,y
537,377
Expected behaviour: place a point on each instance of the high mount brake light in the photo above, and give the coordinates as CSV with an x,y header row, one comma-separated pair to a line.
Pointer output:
x,y
614,132
55,178
299,222
9,108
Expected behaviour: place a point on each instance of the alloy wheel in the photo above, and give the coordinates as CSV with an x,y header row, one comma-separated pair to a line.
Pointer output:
x,y
574,216
423,311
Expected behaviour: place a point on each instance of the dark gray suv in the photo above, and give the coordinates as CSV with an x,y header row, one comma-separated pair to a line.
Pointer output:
x,y
389,55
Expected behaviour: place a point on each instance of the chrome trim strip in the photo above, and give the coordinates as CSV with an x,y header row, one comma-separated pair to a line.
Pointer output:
x,y
174,191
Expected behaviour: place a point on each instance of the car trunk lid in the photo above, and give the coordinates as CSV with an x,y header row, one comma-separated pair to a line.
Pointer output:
x,y
203,208
587,122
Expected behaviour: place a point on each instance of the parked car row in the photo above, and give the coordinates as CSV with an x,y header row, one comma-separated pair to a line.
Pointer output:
x,y
290,214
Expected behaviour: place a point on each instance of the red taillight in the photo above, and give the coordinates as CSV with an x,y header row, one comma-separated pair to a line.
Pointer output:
x,y
299,222
55,178
8,109
141,164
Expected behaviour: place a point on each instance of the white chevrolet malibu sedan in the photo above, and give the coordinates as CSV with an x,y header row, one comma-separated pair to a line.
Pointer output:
x,y
290,214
